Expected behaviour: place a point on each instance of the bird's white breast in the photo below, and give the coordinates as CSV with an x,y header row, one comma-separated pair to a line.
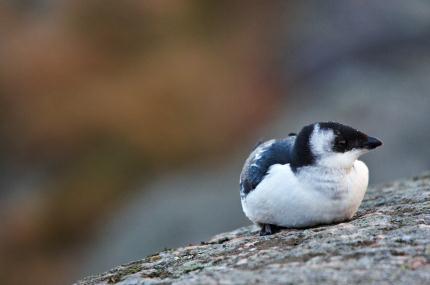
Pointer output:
x,y
310,197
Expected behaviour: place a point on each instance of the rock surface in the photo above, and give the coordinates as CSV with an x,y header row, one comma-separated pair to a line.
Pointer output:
x,y
387,242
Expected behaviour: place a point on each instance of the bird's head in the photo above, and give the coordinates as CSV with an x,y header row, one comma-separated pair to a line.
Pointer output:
x,y
331,144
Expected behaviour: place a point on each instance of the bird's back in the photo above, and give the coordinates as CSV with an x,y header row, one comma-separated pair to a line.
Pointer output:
x,y
261,159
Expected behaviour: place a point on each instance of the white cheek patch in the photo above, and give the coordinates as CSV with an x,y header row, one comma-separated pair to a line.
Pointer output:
x,y
321,141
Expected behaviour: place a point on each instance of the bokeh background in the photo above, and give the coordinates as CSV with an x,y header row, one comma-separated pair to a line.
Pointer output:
x,y
124,124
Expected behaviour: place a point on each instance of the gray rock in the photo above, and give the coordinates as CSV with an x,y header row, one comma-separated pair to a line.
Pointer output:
x,y
387,242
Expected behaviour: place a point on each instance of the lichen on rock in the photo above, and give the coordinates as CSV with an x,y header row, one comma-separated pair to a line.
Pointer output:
x,y
387,242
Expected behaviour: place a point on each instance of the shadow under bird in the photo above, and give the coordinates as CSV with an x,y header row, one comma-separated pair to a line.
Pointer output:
x,y
308,179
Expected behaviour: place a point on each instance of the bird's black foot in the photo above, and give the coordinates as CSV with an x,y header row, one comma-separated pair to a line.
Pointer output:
x,y
268,229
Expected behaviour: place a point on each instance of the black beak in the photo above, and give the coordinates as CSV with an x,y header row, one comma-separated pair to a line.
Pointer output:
x,y
372,143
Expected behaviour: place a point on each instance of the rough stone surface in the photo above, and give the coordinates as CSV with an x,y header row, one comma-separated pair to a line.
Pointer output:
x,y
387,242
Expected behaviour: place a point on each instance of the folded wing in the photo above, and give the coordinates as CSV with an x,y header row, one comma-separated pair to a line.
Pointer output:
x,y
258,163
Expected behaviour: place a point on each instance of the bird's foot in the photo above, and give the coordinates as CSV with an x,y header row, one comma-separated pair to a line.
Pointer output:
x,y
268,229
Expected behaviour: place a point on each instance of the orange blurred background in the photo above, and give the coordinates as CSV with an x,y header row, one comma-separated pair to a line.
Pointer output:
x,y
124,124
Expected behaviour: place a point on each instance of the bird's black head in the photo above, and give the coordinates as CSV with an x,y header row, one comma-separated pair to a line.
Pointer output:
x,y
330,144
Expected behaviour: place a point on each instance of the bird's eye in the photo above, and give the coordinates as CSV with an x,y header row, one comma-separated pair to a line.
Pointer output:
x,y
341,145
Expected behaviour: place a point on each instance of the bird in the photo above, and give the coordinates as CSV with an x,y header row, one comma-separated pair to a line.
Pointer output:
x,y
306,179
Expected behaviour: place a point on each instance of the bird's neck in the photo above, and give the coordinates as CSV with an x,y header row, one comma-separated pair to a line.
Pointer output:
x,y
324,176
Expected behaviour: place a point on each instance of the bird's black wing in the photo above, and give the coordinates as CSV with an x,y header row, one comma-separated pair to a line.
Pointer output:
x,y
258,163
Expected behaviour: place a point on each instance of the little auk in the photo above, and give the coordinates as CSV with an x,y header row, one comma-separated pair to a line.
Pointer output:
x,y
306,179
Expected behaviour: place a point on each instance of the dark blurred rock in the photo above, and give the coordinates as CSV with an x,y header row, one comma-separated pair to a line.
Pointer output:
x,y
386,243
319,35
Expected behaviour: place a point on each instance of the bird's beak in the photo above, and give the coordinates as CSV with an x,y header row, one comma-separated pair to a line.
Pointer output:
x,y
372,143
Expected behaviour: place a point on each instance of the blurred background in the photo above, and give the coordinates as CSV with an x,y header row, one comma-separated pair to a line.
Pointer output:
x,y
124,124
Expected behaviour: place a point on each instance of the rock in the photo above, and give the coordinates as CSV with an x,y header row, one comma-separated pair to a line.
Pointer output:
x,y
387,242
